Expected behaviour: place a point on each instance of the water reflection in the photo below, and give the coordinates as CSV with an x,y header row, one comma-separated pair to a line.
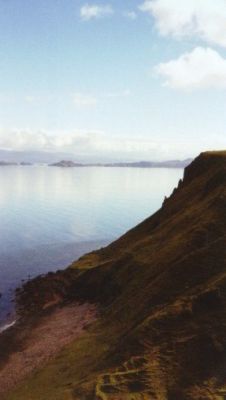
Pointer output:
x,y
40,205
45,211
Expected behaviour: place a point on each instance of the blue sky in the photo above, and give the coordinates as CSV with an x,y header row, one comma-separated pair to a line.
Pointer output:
x,y
116,80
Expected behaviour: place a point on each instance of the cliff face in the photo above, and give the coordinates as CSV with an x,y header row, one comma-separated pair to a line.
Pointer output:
x,y
161,292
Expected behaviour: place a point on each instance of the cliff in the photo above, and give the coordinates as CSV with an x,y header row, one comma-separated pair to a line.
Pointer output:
x,y
160,292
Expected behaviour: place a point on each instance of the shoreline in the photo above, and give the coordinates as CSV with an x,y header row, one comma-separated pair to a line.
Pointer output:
x,y
75,250
6,326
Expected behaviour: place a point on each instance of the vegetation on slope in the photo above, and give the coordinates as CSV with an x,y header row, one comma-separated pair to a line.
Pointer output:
x,y
161,291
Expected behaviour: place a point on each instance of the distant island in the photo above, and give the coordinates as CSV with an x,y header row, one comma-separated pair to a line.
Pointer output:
x,y
67,164
138,164
8,163
25,164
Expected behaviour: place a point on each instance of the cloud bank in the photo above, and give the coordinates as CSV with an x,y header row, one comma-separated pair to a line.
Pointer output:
x,y
87,145
97,146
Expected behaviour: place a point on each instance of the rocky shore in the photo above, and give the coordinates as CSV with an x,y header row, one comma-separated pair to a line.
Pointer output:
x,y
36,341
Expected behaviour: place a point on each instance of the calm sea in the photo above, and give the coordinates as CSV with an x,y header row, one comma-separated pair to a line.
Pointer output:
x,y
50,216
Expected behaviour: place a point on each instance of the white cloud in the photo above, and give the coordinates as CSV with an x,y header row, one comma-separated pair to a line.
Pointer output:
x,y
205,19
81,100
88,12
202,68
130,15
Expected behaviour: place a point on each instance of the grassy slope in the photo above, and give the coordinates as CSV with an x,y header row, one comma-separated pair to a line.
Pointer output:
x,y
162,291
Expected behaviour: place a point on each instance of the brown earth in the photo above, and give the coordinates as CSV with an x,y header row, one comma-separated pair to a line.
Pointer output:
x,y
50,334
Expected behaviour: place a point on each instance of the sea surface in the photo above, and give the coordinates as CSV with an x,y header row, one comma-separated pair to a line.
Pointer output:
x,y
50,216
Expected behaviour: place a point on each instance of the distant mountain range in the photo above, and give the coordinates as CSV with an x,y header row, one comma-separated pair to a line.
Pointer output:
x,y
139,164
8,157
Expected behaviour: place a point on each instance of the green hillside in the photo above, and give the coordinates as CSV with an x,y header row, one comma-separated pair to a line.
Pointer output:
x,y
160,291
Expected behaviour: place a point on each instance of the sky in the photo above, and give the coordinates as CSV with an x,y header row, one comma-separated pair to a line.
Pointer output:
x,y
113,80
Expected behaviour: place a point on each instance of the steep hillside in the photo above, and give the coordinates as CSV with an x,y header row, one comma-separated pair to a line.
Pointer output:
x,y
160,291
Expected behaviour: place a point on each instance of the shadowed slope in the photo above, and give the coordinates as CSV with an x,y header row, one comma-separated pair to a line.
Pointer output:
x,y
161,289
